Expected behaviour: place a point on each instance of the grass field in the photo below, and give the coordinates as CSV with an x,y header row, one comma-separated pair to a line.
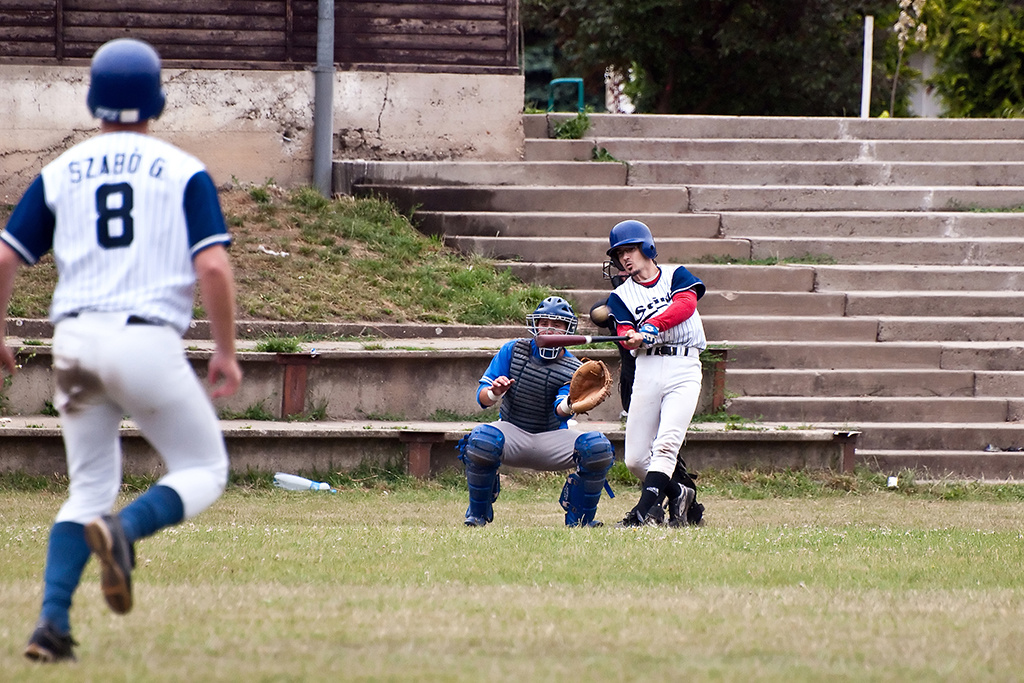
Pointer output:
x,y
384,583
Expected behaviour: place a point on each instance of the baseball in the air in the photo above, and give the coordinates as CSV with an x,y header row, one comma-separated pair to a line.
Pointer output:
x,y
600,315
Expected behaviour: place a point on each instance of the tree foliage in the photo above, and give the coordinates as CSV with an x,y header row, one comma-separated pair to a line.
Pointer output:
x,y
979,51
737,57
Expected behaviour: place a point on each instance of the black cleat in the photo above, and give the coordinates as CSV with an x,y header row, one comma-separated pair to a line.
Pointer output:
x,y
107,541
633,519
679,506
656,515
49,645
475,521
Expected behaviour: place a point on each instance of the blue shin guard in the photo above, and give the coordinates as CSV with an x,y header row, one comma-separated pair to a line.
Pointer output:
x,y
594,456
481,451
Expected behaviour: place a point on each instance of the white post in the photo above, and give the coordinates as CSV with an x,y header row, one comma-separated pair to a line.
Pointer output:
x,y
865,87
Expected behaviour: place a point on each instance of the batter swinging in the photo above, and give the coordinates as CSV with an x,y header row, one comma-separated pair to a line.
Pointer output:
x,y
656,308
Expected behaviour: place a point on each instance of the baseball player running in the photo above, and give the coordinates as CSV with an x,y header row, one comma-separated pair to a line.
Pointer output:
x,y
656,308
132,222
532,385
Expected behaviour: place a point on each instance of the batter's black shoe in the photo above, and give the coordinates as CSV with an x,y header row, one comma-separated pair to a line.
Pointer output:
x,y
656,515
475,521
633,519
47,644
107,541
678,507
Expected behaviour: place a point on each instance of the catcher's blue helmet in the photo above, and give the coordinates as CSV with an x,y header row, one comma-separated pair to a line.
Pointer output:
x,y
124,83
552,308
631,232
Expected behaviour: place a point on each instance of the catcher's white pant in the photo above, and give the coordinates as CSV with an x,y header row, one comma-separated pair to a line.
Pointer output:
x,y
546,451
666,390
105,368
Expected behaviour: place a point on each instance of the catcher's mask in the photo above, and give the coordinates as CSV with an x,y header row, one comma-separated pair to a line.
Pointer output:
x,y
617,277
552,308
124,82
631,232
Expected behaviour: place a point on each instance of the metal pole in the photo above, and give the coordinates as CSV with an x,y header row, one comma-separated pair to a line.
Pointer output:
x,y
323,98
865,87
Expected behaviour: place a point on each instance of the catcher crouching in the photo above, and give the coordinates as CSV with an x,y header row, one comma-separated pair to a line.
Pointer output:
x,y
539,390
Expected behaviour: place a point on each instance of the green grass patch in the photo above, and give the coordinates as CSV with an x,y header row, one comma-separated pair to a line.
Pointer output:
x,y
278,345
381,581
300,257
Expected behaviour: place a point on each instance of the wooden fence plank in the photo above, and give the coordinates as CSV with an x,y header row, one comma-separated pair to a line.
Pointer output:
x,y
240,33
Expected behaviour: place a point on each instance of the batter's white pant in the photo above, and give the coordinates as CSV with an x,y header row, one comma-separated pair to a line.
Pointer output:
x,y
106,369
666,390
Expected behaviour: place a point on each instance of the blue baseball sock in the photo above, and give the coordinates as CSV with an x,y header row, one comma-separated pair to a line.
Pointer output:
x,y
155,509
66,557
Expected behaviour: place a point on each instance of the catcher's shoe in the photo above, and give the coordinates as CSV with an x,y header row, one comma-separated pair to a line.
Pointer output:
x,y
47,644
633,519
475,521
678,507
108,542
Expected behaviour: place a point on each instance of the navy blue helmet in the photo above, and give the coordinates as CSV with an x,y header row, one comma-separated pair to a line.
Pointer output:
x,y
124,84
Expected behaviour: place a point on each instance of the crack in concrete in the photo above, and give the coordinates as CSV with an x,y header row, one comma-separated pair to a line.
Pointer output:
x,y
384,103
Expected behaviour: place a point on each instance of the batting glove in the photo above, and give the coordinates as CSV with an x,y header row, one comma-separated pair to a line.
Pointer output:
x,y
650,334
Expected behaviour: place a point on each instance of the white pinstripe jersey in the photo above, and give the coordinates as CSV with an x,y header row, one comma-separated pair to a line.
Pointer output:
x,y
633,303
120,234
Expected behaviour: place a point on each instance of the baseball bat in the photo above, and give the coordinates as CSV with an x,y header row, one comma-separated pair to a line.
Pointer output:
x,y
549,340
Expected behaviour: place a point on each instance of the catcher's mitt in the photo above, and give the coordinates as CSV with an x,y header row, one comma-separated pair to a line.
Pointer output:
x,y
590,385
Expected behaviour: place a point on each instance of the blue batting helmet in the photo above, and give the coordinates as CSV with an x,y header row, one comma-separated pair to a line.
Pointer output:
x,y
124,83
631,232
552,308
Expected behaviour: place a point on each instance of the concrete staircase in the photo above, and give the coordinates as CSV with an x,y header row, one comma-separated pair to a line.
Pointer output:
x,y
902,319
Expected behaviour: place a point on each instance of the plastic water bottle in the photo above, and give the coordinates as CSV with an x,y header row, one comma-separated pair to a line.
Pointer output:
x,y
293,482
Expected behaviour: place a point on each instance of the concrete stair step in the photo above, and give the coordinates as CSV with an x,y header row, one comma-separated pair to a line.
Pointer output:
x,y
747,197
945,464
993,356
726,278
928,173
736,329
525,223
765,354
350,173
793,127
35,446
933,435
853,410
855,382
1005,383
956,304
886,250
743,303
918,277
610,198
933,225
590,250
945,329
754,149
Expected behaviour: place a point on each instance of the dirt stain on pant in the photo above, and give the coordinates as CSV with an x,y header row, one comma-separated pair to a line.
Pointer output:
x,y
75,387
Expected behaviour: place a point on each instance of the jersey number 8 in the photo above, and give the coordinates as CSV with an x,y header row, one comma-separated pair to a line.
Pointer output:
x,y
121,212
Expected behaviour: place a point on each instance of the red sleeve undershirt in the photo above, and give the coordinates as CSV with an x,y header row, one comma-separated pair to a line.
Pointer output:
x,y
682,307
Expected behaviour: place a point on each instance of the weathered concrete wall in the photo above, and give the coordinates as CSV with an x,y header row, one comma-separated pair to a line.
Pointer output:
x,y
258,125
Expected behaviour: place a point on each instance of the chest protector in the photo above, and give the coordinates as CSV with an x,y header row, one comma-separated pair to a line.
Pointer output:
x,y
529,403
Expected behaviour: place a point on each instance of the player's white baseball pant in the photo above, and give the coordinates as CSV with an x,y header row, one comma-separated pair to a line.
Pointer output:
x,y
666,390
547,451
104,369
